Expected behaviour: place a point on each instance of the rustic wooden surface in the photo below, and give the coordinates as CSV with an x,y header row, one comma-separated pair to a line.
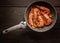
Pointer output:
x,y
25,2
11,13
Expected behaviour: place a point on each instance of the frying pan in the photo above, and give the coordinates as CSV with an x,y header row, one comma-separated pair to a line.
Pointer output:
x,y
23,24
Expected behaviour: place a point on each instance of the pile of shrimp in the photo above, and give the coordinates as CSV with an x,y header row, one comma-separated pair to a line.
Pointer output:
x,y
39,17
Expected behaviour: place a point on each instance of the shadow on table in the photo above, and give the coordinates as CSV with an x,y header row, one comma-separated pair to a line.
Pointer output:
x,y
48,35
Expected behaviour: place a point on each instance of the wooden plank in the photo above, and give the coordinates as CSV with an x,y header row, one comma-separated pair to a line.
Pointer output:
x,y
25,2
10,16
58,15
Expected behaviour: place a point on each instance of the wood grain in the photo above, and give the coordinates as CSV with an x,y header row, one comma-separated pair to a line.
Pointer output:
x,y
25,2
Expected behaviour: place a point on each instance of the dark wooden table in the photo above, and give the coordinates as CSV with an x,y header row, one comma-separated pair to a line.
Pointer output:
x,y
12,12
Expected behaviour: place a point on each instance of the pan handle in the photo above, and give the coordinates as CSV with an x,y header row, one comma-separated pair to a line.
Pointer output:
x,y
22,24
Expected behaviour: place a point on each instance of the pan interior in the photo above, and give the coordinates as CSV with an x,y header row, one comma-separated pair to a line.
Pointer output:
x,y
46,4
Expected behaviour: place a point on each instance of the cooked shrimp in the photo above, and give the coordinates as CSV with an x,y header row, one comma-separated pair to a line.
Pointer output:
x,y
39,22
47,19
35,16
35,12
30,18
45,10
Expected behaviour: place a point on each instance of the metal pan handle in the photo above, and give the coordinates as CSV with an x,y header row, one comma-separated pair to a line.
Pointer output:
x,y
22,24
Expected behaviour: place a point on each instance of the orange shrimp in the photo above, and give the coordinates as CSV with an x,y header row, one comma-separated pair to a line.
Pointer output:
x,y
45,10
48,20
30,18
37,14
41,20
46,13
